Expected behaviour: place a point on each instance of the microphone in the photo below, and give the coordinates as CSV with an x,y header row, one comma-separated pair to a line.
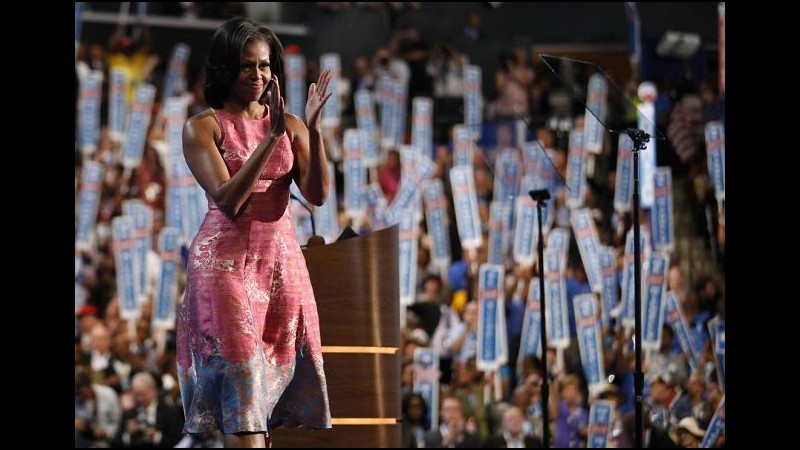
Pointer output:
x,y
539,194
636,134
314,239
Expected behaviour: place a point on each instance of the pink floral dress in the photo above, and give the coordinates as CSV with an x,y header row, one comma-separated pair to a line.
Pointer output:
x,y
249,355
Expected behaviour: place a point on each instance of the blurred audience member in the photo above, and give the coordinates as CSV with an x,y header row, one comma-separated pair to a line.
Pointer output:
x,y
97,412
154,422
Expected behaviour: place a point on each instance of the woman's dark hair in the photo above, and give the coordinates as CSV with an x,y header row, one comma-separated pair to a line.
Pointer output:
x,y
224,54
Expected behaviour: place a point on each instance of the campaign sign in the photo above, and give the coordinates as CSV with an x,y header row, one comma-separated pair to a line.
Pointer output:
x,y
422,125
436,221
593,130
719,351
623,186
331,112
122,238
558,240
296,88
589,246
175,118
399,96
175,78
117,104
601,416
719,336
675,319
416,169
465,201
426,381
498,216
555,301
393,113
526,234
628,294
88,204
167,287
535,179
89,112
365,119
130,208
78,23
590,339
716,427
409,239
610,295
133,145
647,157
143,235
383,98
662,217
355,177
376,206
175,187
531,325
634,33
507,176
462,146
653,314
490,306
473,102
531,154
715,148
576,170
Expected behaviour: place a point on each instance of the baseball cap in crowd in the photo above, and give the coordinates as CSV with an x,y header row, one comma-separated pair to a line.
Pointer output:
x,y
87,310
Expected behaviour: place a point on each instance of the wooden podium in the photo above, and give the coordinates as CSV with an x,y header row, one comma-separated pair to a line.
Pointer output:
x,y
356,285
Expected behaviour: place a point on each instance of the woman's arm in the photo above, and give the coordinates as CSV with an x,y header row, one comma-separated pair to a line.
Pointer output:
x,y
200,135
311,165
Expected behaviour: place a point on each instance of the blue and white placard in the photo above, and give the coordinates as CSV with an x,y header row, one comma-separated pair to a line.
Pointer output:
x,y
296,88
167,287
491,308
465,201
590,339
662,217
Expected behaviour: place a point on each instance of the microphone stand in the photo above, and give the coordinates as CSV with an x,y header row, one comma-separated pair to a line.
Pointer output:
x,y
540,196
640,140
313,240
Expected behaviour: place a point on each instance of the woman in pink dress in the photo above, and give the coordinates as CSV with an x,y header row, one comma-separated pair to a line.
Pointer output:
x,y
249,353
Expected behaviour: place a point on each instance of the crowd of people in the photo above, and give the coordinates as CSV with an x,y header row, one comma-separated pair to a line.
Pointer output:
x,y
126,390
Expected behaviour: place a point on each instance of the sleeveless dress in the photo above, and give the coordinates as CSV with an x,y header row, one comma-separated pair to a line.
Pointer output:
x,y
249,352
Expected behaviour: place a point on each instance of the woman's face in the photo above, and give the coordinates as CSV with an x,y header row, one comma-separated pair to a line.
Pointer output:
x,y
254,72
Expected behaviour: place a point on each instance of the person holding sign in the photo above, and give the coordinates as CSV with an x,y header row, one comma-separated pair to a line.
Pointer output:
x,y
249,351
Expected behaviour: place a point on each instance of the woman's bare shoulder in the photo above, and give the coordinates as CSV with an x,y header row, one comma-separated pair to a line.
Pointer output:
x,y
295,122
205,118
294,126
203,123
